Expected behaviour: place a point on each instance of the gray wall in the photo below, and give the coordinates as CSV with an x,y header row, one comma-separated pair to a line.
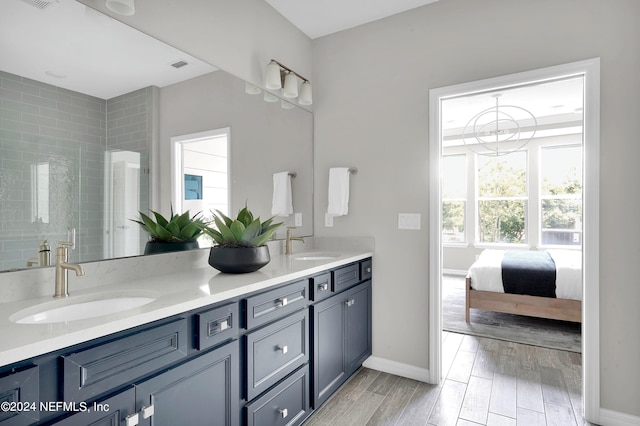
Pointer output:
x,y
371,111
265,139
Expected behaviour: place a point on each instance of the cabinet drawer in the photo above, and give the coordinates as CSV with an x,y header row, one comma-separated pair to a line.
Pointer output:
x,y
366,269
345,277
111,411
98,369
320,286
275,351
286,404
274,304
216,326
20,387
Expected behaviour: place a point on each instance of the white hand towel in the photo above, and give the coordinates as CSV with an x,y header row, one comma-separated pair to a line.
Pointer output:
x,y
282,204
338,191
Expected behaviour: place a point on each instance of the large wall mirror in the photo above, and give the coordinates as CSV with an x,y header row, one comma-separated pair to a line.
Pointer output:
x,y
93,115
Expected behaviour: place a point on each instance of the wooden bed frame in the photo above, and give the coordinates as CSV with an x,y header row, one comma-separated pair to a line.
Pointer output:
x,y
520,304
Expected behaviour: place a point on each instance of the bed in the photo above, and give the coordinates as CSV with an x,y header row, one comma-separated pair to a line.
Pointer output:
x,y
485,289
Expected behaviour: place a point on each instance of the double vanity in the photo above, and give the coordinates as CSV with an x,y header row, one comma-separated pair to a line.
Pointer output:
x,y
193,346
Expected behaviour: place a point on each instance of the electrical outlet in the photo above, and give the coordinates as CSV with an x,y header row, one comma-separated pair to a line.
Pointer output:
x,y
328,220
297,219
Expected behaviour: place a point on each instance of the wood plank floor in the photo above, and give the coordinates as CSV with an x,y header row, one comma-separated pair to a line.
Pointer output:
x,y
487,382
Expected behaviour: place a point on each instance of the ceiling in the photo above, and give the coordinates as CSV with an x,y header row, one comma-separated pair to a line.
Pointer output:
x,y
317,18
69,45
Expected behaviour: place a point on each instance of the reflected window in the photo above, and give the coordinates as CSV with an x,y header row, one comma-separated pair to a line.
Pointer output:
x,y
40,193
192,187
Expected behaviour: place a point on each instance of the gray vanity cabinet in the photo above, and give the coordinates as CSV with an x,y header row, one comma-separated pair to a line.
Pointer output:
x,y
266,358
18,388
107,412
202,391
341,339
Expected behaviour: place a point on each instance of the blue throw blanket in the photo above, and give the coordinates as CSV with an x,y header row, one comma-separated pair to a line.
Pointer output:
x,y
529,272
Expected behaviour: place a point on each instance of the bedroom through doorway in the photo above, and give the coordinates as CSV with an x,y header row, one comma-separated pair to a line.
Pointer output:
x,y
491,125
512,183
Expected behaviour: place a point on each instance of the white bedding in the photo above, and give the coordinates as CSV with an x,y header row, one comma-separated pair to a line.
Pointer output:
x,y
486,272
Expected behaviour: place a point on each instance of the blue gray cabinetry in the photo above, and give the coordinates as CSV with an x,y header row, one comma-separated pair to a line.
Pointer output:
x,y
341,338
265,358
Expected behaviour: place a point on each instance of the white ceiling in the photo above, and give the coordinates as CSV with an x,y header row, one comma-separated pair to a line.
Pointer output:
x,y
317,18
70,45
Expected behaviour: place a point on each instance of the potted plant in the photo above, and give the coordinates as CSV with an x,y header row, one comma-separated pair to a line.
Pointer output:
x,y
240,243
178,232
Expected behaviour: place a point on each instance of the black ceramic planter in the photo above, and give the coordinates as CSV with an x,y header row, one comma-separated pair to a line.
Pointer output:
x,y
154,247
239,260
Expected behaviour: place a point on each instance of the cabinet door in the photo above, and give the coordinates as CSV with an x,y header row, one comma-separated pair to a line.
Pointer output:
x,y
203,391
329,366
17,388
358,337
108,412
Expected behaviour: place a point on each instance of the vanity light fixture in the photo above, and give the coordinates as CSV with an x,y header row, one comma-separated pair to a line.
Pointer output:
x,y
279,76
121,7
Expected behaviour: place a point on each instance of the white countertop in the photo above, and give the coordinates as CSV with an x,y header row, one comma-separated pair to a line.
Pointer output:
x,y
175,293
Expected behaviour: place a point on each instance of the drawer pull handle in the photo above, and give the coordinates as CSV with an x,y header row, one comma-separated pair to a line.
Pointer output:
x,y
323,287
132,420
147,411
284,413
350,302
223,325
282,302
284,349
369,270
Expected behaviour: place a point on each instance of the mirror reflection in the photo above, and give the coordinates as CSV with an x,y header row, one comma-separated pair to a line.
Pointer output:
x,y
89,160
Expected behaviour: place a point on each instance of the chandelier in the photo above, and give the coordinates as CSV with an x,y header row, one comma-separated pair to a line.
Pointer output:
x,y
496,131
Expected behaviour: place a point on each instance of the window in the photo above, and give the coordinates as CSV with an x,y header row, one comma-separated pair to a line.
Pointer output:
x,y
561,195
454,198
502,198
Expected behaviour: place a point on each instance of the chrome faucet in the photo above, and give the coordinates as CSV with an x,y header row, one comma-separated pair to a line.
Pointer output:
x,y
63,267
287,244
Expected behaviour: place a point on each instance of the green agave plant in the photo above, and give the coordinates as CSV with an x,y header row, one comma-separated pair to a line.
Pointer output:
x,y
177,229
244,231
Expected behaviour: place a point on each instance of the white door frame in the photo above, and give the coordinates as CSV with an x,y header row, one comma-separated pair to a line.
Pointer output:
x,y
590,69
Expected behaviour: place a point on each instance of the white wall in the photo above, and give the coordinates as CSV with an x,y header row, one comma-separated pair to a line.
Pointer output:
x,y
371,111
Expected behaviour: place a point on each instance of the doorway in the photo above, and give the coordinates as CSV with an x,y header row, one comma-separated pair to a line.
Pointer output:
x,y
589,71
122,202
200,163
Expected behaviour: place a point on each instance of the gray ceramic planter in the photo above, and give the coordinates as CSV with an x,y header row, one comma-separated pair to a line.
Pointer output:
x,y
239,260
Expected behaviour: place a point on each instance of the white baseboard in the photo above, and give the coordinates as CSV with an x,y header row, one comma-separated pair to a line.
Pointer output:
x,y
616,418
397,368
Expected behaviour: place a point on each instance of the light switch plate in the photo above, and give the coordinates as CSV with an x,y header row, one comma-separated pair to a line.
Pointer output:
x,y
409,221
297,219
328,220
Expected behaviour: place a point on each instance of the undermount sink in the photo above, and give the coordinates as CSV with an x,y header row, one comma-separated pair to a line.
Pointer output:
x,y
315,256
80,307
